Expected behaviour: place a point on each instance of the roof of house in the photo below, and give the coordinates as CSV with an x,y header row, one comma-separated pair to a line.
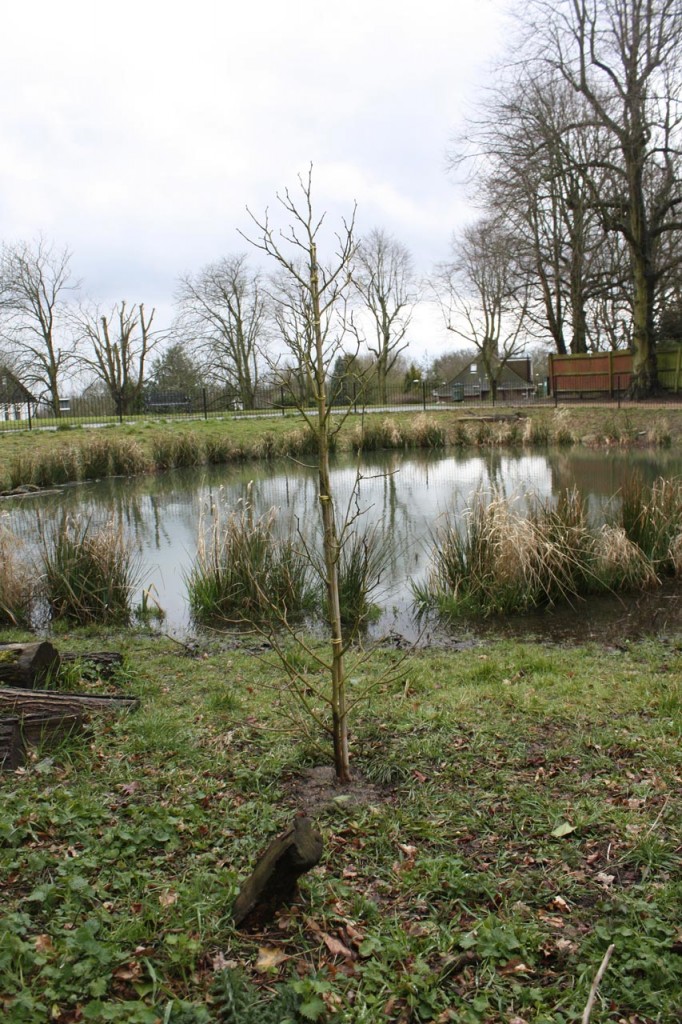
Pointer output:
x,y
514,374
11,389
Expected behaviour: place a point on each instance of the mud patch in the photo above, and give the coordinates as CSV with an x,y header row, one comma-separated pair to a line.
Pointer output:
x,y
317,789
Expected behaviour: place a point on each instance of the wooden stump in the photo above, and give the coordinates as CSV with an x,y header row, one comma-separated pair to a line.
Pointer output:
x,y
275,877
27,665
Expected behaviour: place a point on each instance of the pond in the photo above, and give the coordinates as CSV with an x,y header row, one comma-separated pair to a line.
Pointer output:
x,y
403,494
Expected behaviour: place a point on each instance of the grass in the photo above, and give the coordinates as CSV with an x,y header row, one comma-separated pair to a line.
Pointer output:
x,y
503,559
17,589
88,574
46,458
245,573
529,817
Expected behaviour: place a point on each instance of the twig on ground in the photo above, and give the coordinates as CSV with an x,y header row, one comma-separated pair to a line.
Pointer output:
x,y
596,983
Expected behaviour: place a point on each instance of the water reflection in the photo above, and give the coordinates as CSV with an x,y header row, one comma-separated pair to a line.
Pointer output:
x,y
401,495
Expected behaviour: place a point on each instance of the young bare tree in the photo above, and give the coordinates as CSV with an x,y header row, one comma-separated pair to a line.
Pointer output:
x,y
311,298
118,344
223,310
384,279
623,57
35,281
484,296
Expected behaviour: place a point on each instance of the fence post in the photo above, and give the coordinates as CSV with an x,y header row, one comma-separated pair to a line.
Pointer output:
x,y
205,403
281,397
30,425
618,388
355,397
424,395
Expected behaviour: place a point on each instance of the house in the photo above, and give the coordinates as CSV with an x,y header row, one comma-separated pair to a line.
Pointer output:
x,y
15,399
514,380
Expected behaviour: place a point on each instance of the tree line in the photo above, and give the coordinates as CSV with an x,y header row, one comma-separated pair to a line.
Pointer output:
x,y
574,161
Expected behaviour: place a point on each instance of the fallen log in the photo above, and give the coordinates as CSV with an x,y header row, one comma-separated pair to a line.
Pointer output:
x,y
28,665
25,702
274,880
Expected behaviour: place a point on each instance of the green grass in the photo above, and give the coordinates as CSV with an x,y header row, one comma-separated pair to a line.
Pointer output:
x,y
529,817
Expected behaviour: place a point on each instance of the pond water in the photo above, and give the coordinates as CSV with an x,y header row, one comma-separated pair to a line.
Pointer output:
x,y
403,494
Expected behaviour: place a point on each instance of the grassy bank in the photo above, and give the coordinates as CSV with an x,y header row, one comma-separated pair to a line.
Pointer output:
x,y
44,458
515,813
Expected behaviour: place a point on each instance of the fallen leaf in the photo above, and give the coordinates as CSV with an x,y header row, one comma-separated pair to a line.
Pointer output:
x,y
515,966
559,903
220,963
604,879
43,944
335,947
564,829
269,957
167,899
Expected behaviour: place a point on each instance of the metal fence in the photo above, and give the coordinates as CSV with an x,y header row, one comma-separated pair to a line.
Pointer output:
x,y
214,403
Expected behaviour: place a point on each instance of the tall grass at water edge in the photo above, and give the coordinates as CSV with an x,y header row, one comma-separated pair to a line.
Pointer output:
x,y
245,573
88,575
503,558
17,587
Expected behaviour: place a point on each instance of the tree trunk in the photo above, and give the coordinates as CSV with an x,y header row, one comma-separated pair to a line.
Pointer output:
x,y
330,544
27,665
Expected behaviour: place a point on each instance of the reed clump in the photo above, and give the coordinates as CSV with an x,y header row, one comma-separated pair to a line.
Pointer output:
x,y
178,451
651,518
245,573
88,574
376,434
17,590
102,457
501,559
361,563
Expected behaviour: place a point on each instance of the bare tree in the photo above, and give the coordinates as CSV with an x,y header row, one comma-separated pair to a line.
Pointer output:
x,y
311,299
623,57
223,309
484,296
383,276
120,343
35,279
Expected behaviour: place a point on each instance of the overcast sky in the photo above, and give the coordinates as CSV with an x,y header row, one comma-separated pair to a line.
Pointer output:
x,y
137,132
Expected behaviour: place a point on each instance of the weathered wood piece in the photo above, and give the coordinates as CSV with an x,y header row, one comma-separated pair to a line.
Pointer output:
x,y
25,702
17,734
27,665
273,882
11,744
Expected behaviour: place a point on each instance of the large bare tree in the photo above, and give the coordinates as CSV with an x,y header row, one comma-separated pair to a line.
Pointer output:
x,y
483,295
384,278
35,282
223,311
116,347
623,57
